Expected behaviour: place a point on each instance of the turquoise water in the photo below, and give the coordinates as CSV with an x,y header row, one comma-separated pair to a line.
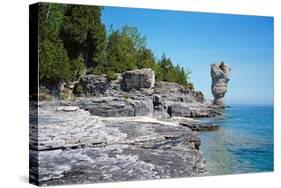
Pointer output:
x,y
244,143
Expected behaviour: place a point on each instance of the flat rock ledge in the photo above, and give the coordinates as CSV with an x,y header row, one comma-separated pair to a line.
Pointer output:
x,y
70,146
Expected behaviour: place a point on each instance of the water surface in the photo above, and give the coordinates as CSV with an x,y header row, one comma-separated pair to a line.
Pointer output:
x,y
243,144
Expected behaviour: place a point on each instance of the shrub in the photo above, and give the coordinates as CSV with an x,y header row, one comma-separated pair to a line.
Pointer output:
x,y
189,86
77,67
110,75
78,89
53,62
126,96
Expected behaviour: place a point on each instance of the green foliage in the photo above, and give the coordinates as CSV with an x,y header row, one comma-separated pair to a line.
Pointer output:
x,y
126,96
166,71
54,64
50,20
73,40
121,54
84,34
77,67
78,89
99,70
145,58
110,75
44,95
134,36
189,86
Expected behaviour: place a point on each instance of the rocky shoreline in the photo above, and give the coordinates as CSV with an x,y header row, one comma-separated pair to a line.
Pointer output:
x,y
130,128
75,147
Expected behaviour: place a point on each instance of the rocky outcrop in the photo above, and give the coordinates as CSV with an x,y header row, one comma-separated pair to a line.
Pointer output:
x,y
178,93
130,128
139,82
220,74
199,126
71,146
92,85
170,88
172,99
198,96
116,107
137,79
189,110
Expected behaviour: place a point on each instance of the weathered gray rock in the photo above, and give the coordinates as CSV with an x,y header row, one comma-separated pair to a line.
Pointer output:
x,y
67,108
138,79
139,82
75,147
199,96
199,126
156,100
177,93
116,107
92,85
169,88
189,110
220,74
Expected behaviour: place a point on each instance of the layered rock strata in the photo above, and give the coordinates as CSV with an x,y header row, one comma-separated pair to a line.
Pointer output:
x,y
220,74
74,147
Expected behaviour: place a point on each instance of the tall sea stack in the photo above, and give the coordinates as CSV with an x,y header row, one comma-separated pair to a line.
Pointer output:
x,y
220,74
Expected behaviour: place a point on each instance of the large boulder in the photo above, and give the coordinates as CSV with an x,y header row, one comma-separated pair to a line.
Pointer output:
x,y
116,107
92,85
137,79
220,74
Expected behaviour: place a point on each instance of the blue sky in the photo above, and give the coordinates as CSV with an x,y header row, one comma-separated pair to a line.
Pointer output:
x,y
195,40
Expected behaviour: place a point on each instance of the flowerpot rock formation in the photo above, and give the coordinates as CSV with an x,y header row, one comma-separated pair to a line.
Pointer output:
x,y
220,74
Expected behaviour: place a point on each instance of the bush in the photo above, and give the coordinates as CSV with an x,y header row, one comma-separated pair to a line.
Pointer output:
x,y
189,86
110,75
78,89
126,96
44,95
97,70
54,64
77,67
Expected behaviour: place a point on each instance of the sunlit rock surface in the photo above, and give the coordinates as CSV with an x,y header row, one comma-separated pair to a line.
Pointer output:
x,y
74,147
220,74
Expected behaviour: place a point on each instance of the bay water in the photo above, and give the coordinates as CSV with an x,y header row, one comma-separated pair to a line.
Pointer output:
x,y
244,142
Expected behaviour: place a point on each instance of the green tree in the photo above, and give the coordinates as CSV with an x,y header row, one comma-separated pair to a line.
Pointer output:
x,y
72,38
121,54
84,34
50,20
134,36
77,67
145,58
166,67
54,64
166,71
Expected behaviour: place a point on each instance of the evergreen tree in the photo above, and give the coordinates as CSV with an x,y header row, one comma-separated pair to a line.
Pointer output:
x,y
145,58
73,37
121,53
54,64
84,34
